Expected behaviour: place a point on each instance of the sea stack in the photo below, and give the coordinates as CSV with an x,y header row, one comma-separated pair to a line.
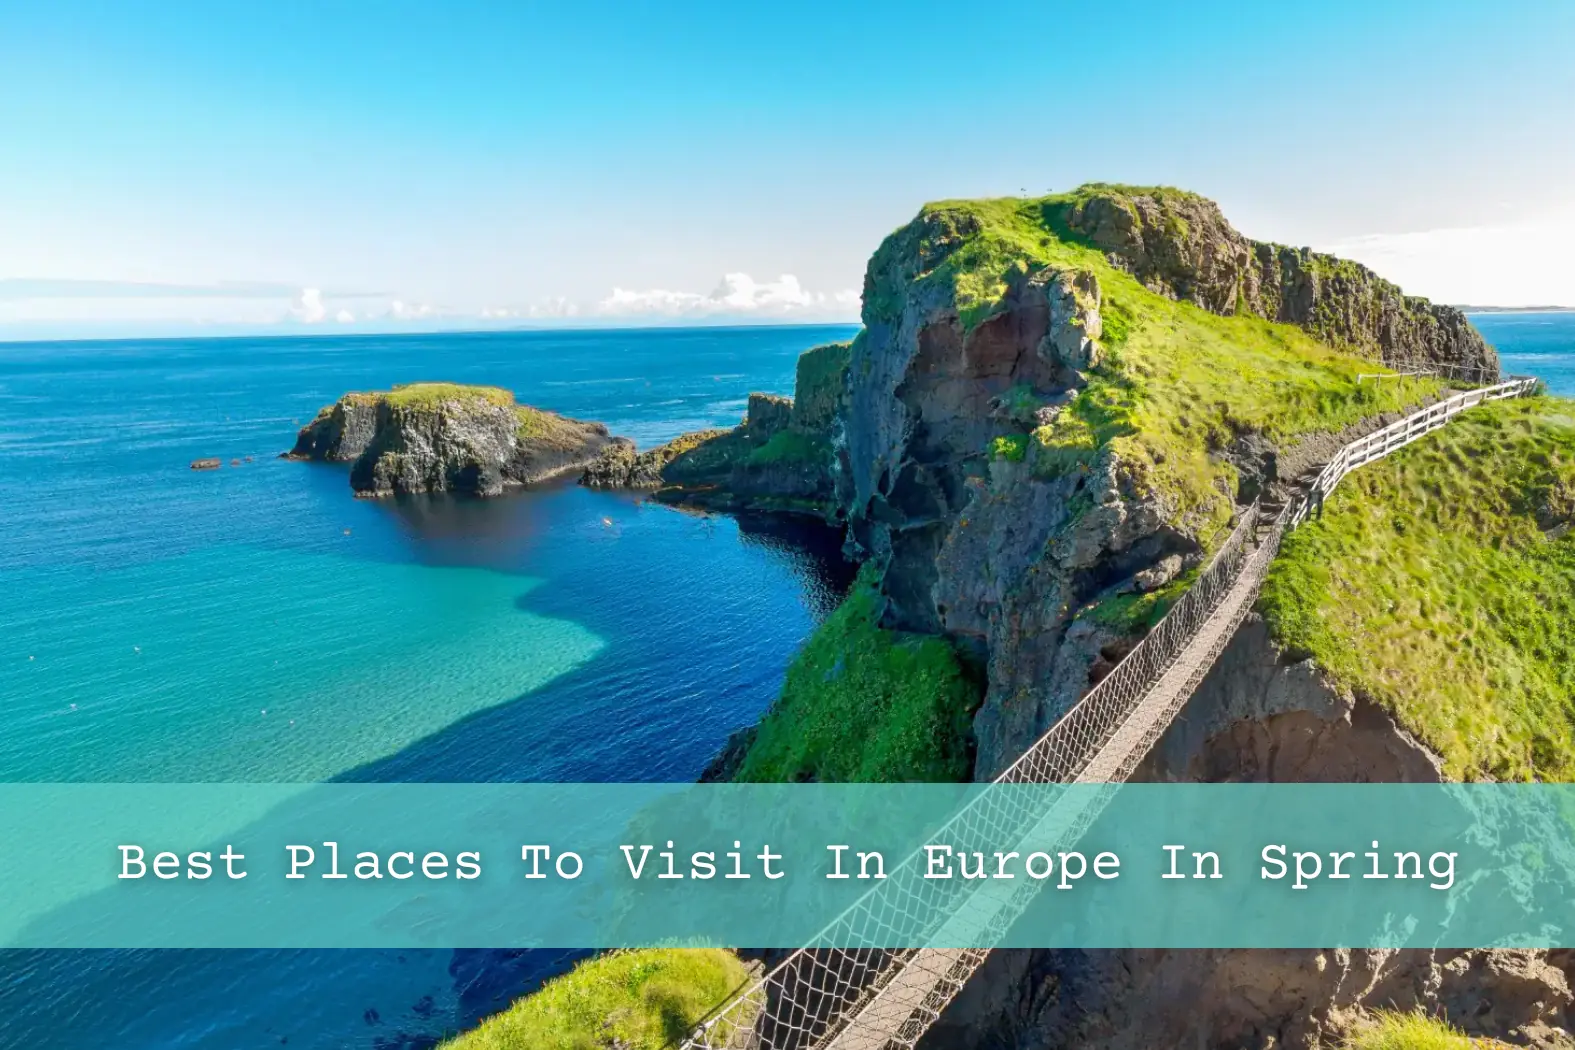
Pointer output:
x,y
446,437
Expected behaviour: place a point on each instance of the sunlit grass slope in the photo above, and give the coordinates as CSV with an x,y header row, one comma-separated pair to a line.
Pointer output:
x,y
1441,583
1392,1030
631,1000
1179,382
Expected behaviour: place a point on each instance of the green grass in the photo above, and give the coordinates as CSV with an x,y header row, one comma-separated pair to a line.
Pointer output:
x,y
1010,447
1136,614
790,446
629,1000
864,704
1392,1030
428,396
1434,585
1178,383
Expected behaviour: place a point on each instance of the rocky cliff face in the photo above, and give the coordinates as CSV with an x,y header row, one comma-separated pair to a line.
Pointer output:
x,y
1180,245
1262,715
1258,1000
438,437
784,457
1013,483
972,543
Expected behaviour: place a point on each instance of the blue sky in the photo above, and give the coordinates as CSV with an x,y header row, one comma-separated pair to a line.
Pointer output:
x,y
458,164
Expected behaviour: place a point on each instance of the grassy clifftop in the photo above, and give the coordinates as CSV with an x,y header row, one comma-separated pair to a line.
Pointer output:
x,y
1177,381
1440,582
631,1000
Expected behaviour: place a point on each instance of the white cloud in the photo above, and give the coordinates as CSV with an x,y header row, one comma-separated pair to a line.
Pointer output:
x,y
344,317
1512,264
309,307
403,311
736,293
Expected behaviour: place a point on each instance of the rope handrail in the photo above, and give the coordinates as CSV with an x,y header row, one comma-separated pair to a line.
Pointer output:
x,y
869,997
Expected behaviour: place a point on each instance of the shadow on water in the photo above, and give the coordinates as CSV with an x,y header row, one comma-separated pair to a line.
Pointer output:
x,y
698,616
685,661
661,737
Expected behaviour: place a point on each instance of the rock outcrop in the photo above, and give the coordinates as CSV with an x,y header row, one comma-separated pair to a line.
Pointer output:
x,y
1006,514
1179,244
978,337
443,437
784,456
979,546
1286,1000
1262,715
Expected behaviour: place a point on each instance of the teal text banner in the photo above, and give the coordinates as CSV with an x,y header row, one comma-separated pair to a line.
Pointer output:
x,y
571,866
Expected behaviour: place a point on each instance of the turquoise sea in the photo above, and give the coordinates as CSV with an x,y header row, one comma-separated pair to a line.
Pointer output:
x,y
256,623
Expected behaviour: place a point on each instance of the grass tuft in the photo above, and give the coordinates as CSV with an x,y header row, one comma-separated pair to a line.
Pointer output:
x,y
429,396
1393,1030
626,1000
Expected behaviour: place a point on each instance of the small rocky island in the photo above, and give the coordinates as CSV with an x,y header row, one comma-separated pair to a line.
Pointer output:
x,y
446,437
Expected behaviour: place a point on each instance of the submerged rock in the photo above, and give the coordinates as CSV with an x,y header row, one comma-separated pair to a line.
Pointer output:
x,y
444,437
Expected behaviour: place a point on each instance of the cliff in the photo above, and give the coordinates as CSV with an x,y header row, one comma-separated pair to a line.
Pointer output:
x,y
1054,413
1178,244
1418,632
444,437
783,457
1058,406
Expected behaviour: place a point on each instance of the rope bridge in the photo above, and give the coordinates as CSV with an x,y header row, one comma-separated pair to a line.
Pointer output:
x,y
868,997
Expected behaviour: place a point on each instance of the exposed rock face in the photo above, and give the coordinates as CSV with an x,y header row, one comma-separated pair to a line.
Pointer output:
x,y
1180,245
783,457
1297,1000
1008,561
1264,717
973,536
432,437
989,553
1261,715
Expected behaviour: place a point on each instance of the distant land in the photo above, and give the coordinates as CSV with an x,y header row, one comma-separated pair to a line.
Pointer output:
x,y
1516,309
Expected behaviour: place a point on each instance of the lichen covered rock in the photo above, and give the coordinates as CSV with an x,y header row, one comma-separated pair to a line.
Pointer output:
x,y
444,437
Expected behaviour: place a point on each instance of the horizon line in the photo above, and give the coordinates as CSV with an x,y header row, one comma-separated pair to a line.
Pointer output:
x,y
317,333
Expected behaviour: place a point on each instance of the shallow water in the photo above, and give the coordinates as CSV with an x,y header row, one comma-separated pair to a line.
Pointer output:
x,y
258,623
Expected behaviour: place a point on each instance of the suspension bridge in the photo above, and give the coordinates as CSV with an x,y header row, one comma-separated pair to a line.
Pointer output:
x,y
867,996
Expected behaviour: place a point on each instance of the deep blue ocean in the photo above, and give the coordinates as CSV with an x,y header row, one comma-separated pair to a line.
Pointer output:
x,y
258,623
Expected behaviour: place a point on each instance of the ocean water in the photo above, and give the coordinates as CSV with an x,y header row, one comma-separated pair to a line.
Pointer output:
x,y
1542,345
257,623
